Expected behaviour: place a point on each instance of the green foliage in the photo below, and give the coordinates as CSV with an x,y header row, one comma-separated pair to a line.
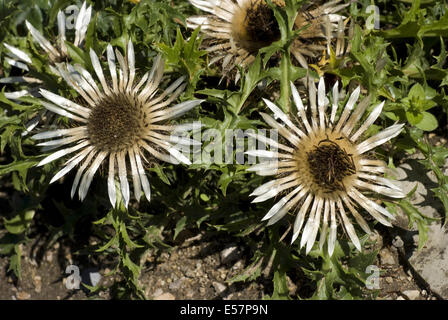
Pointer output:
x,y
341,276
185,56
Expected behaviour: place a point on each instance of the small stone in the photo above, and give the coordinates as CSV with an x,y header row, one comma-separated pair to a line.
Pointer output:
x,y
412,294
22,295
223,274
229,297
176,284
397,242
229,254
165,296
158,292
219,287
389,280
49,256
202,290
238,265
37,281
401,298
190,274
386,257
415,239
165,255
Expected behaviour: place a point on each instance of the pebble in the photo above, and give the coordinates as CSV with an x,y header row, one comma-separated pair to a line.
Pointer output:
x,y
386,257
165,256
229,297
397,242
219,287
229,254
238,265
176,284
401,298
22,295
412,294
222,274
415,239
37,281
190,274
158,292
165,296
49,256
389,280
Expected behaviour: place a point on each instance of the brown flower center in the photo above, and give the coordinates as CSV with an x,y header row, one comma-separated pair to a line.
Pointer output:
x,y
116,123
329,165
262,26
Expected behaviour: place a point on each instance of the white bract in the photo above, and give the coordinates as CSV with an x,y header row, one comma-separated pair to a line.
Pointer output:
x,y
121,121
323,170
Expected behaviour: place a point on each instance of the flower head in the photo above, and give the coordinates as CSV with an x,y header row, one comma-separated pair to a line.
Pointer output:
x,y
57,53
236,29
323,171
124,122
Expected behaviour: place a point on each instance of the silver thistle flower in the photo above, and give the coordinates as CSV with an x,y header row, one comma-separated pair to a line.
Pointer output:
x,y
236,29
323,169
122,121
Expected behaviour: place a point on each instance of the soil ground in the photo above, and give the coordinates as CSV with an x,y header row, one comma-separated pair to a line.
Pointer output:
x,y
198,268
